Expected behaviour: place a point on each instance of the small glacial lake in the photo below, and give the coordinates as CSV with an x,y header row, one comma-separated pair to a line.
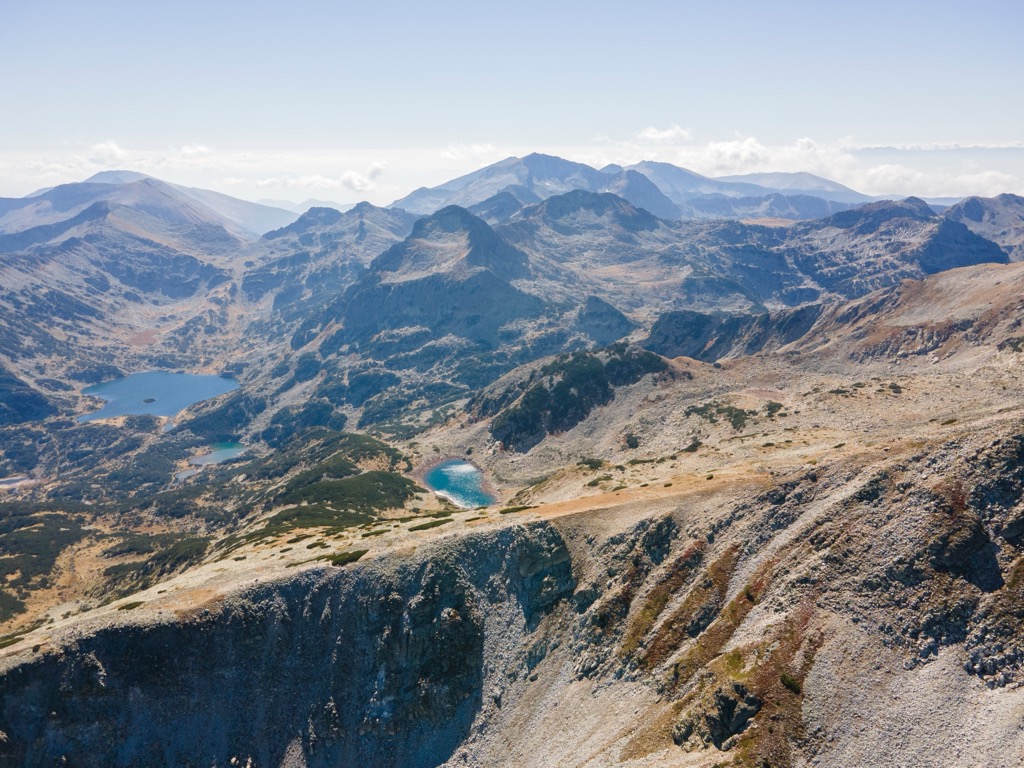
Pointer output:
x,y
459,482
219,452
155,392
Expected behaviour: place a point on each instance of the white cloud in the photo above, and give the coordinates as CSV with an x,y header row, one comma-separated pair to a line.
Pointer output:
x,y
674,133
196,150
107,153
356,181
947,145
383,175
350,180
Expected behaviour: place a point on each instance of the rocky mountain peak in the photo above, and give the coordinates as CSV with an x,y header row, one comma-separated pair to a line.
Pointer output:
x,y
314,218
871,217
605,206
452,239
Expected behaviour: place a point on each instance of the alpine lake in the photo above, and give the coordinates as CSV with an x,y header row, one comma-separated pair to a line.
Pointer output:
x,y
158,393
460,482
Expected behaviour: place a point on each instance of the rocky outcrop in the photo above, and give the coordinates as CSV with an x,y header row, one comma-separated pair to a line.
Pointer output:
x,y
602,322
704,631
717,718
999,219
711,337
384,665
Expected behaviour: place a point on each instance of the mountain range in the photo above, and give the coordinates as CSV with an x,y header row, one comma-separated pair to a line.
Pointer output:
x,y
754,445
663,189
452,295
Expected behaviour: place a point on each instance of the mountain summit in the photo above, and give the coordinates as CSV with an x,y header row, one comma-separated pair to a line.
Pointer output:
x,y
539,176
665,190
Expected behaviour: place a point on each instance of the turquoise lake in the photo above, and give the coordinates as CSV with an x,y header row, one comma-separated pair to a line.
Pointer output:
x,y
460,482
220,452
155,392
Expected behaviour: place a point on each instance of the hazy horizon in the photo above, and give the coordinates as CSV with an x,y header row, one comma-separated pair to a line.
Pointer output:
x,y
315,100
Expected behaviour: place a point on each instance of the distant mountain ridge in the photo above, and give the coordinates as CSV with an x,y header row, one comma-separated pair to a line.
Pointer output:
x,y
241,218
801,183
253,218
665,190
139,270
540,176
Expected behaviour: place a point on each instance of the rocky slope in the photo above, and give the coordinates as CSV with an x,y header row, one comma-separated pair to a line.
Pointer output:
x,y
807,559
999,219
774,616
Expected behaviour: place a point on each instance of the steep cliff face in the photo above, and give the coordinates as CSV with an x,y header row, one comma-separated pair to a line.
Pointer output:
x,y
383,665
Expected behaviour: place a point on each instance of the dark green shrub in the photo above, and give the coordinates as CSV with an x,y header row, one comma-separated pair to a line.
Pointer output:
x,y
431,524
307,367
791,683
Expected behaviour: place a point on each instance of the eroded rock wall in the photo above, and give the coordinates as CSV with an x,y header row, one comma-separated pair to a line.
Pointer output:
x,y
380,665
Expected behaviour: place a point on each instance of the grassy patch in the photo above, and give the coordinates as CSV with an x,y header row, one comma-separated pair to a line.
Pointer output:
x,y
344,558
140,574
10,606
369,492
14,637
431,524
791,683
700,609
713,411
519,508
678,573
30,545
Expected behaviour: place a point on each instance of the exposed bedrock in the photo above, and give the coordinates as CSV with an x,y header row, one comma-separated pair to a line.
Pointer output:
x,y
382,665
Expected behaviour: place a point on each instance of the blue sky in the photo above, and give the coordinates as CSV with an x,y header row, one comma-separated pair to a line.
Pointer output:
x,y
345,101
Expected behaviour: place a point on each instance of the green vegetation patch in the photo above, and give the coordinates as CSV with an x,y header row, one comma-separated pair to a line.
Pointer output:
x,y
791,683
29,547
563,393
431,524
518,508
311,516
141,574
366,493
226,420
713,410
10,606
344,558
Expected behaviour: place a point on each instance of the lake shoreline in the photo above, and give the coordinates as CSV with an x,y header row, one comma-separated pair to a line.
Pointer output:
x,y
419,474
163,394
